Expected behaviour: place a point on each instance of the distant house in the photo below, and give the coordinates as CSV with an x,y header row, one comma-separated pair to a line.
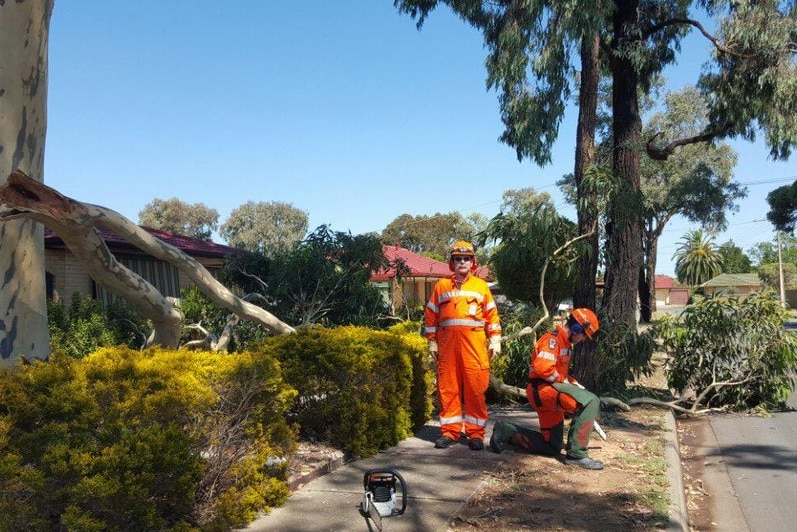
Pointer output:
x,y
667,293
66,275
415,287
733,284
663,285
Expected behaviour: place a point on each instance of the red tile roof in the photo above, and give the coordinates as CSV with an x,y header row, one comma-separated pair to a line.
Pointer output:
x,y
419,265
191,246
664,281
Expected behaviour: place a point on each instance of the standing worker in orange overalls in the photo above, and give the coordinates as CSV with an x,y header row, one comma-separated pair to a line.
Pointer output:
x,y
463,333
552,393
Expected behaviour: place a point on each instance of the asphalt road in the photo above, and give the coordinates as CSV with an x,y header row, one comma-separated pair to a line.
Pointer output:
x,y
760,456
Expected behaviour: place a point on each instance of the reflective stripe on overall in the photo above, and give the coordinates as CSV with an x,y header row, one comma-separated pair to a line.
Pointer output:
x,y
460,320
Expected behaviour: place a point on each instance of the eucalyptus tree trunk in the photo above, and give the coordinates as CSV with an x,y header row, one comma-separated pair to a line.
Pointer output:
x,y
24,31
585,157
624,250
586,363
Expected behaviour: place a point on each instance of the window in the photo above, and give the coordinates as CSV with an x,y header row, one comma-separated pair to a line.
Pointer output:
x,y
162,275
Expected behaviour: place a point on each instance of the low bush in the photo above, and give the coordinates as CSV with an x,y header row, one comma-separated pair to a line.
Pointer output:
x,y
85,325
153,440
359,389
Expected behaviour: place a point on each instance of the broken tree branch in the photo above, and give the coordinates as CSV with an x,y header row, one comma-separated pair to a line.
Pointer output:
x,y
76,224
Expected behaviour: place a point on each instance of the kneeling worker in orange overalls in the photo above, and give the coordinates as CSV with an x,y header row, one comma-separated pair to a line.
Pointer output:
x,y
552,393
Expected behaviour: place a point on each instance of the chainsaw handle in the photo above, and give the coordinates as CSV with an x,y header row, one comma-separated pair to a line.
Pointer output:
x,y
403,492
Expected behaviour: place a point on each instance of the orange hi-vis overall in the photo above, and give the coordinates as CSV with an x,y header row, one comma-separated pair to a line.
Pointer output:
x,y
460,319
551,396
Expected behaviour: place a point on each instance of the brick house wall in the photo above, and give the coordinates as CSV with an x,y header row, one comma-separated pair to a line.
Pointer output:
x,y
67,276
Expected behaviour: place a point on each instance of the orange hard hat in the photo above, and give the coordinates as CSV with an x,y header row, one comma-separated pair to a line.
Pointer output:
x,y
462,248
587,321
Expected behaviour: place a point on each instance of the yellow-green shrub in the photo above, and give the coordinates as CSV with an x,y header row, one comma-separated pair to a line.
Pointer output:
x,y
128,440
423,375
360,389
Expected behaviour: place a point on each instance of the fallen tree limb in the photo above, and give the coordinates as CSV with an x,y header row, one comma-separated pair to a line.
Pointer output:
x,y
76,224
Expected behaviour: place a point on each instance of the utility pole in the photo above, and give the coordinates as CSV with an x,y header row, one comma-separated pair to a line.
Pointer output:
x,y
780,269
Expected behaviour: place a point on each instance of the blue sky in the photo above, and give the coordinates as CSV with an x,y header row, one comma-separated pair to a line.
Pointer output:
x,y
342,109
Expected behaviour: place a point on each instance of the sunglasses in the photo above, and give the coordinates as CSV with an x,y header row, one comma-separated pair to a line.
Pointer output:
x,y
461,259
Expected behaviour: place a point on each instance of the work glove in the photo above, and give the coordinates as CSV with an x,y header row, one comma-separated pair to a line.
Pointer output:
x,y
495,346
432,348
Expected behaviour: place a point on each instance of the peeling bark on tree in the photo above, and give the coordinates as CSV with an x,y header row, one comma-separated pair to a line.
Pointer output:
x,y
76,224
24,29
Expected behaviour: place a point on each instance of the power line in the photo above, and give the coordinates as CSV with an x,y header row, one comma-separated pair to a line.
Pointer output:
x,y
769,181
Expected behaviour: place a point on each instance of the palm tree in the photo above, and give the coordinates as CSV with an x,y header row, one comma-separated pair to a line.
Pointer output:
x,y
697,259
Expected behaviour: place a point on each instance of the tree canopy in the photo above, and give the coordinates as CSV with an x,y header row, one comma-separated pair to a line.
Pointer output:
x,y
265,227
428,235
527,236
770,274
695,181
767,252
196,220
783,207
749,85
325,279
734,260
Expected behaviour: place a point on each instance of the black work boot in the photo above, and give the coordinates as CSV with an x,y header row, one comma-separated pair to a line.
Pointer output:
x,y
502,434
476,444
443,442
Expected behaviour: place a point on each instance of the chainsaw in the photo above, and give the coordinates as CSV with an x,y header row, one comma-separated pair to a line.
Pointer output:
x,y
383,489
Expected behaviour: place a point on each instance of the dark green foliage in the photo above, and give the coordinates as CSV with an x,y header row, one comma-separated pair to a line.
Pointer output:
x,y
325,279
125,440
86,325
697,259
739,341
527,240
734,260
246,270
356,386
783,207
621,355
512,365
196,307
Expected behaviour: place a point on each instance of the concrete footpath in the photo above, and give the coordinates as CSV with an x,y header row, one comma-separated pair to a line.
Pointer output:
x,y
438,482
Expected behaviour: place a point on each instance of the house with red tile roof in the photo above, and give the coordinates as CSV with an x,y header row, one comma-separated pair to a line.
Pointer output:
x,y
409,290
66,275
667,293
